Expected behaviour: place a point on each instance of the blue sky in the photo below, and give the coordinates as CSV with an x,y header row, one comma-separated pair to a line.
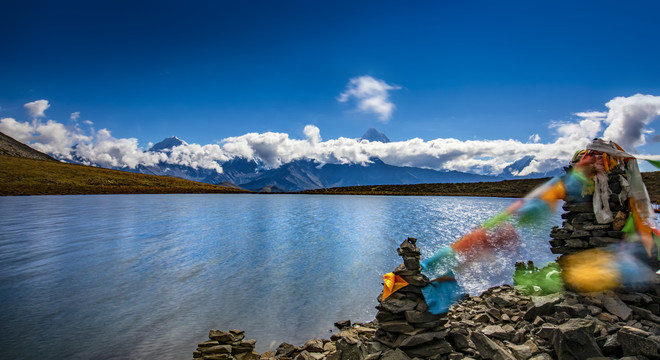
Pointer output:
x,y
208,70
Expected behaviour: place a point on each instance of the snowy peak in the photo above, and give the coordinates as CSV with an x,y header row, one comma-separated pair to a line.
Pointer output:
x,y
375,135
517,166
167,144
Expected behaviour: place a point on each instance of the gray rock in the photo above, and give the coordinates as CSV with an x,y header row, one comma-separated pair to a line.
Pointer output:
x,y
238,334
411,263
399,326
541,305
396,354
577,243
285,349
580,234
520,352
574,340
209,343
357,351
388,316
437,347
218,349
305,355
542,356
504,301
596,227
584,218
614,305
459,340
547,332
601,241
612,347
219,357
252,355
224,337
580,207
395,306
645,314
342,324
638,342
422,338
314,345
578,310
488,349
497,331
414,317
244,346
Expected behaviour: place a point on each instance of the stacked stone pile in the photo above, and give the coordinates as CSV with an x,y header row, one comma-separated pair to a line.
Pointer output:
x,y
404,323
581,231
226,345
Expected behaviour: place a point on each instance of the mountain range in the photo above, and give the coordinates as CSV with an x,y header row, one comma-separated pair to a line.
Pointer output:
x,y
305,174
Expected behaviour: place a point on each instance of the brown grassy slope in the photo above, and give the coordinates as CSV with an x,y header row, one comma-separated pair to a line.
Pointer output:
x,y
505,188
20,176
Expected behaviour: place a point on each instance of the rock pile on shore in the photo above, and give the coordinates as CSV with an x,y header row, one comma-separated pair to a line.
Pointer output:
x,y
502,324
404,323
226,345
581,231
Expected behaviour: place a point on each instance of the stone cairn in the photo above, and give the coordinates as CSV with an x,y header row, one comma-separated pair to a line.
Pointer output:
x,y
226,345
404,323
581,231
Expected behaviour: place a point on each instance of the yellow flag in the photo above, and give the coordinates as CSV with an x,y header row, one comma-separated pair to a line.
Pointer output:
x,y
392,284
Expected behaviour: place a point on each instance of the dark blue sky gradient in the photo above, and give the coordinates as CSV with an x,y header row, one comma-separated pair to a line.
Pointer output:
x,y
206,70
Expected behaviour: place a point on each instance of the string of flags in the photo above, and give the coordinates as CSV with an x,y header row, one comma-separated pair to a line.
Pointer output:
x,y
590,270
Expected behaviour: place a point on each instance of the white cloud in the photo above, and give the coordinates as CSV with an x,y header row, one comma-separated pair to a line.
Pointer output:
x,y
20,131
37,108
628,117
88,122
592,115
313,134
75,115
273,149
372,96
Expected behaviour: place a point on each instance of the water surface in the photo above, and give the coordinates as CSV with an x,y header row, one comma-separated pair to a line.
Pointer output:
x,y
146,276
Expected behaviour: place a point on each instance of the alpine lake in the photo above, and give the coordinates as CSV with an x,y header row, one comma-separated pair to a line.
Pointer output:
x,y
147,276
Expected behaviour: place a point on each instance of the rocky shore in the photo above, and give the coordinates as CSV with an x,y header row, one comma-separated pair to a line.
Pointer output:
x,y
501,323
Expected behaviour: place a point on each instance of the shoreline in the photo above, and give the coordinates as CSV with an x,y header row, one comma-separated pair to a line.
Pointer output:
x,y
501,323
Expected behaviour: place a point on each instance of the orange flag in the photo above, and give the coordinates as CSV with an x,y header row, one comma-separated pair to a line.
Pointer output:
x,y
392,284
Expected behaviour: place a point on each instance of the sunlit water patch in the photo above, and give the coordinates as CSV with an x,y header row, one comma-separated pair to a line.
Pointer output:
x,y
144,276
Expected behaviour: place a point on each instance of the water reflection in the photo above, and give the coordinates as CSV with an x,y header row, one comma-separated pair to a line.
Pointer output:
x,y
131,276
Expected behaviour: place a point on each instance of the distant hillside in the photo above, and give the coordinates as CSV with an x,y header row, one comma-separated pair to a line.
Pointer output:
x,y
505,188
10,146
21,176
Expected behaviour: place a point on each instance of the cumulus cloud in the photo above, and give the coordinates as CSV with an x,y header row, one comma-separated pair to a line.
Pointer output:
x,y
372,96
17,130
313,134
75,116
37,108
628,117
88,122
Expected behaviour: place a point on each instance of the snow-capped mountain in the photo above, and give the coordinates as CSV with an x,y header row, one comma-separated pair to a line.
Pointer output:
x,y
307,174
167,144
375,135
